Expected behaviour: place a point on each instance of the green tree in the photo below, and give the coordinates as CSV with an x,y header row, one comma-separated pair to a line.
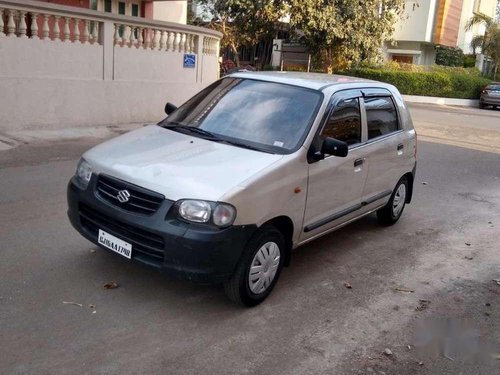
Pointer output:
x,y
343,32
243,22
489,42
449,56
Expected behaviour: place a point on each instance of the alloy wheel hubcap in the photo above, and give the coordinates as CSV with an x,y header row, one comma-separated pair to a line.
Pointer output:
x,y
399,200
264,267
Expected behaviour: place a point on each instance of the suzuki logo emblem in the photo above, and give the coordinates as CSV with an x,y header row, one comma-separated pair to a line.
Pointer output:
x,y
123,196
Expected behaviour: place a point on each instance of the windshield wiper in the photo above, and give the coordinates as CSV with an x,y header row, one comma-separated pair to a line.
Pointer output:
x,y
242,145
210,136
206,134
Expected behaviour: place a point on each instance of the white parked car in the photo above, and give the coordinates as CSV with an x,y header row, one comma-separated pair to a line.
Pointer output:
x,y
250,168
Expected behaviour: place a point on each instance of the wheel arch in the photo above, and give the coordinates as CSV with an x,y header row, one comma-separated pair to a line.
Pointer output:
x,y
410,177
285,225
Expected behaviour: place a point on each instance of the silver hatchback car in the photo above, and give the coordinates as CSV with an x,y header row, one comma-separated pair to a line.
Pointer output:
x,y
490,96
244,172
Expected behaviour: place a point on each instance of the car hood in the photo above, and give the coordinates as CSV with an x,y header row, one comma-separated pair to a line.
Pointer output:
x,y
177,165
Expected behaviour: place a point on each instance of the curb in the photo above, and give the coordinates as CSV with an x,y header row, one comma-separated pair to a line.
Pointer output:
x,y
441,101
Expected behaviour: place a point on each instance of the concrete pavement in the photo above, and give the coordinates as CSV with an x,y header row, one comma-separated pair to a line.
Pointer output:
x,y
444,249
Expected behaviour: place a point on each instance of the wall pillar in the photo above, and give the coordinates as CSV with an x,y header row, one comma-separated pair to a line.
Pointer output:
x,y
106,35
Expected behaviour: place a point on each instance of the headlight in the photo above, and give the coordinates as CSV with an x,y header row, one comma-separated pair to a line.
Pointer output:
x,y
220,214
197,211
84,172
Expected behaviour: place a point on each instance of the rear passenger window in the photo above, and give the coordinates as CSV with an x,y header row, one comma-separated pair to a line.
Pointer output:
x,y
344,123
381,116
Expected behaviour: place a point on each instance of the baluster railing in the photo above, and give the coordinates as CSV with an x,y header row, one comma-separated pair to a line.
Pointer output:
x,y
56,33
45,27
66,30
51,23
86,32
170,41
95,32
156,39
116,37
147,38
183,42
11,25
132,40
124,30
22,24
34,25
140,37
76,30
177,42
163,40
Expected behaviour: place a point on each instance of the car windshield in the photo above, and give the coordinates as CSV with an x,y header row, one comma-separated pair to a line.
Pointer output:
x,y
267,116
493,87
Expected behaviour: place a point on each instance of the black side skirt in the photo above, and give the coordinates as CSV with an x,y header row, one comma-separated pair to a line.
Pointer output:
x,y
345,212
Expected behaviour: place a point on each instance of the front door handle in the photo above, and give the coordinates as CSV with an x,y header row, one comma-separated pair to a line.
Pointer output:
x,y
358,162
401,146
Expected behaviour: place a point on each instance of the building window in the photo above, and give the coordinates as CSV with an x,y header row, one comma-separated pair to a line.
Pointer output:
x,y
121,8
402,59
135,10
107,6
93,4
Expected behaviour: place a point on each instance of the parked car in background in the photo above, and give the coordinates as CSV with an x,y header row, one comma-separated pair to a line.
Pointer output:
x,y
490,96
247,170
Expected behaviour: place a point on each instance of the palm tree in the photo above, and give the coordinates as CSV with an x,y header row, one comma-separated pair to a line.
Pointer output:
x,y
489,42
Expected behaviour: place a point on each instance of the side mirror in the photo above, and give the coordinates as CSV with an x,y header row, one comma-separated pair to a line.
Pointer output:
x,y
169,108
332,146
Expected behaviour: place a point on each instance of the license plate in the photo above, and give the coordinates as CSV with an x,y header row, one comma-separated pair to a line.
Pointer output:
x,y
118,246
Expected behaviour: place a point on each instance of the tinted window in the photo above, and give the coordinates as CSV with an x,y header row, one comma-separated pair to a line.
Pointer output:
x,y
381,116
344,123
271,116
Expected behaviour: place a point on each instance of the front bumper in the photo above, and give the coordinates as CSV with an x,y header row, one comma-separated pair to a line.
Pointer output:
x,y
183,250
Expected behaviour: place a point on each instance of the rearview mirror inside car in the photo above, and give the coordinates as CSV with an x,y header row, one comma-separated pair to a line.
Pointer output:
x,y
169,108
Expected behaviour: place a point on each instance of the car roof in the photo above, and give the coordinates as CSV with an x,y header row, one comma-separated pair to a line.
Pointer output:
x,y
315,81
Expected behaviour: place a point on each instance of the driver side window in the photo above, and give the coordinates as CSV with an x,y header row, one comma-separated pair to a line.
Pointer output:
x,y
344,123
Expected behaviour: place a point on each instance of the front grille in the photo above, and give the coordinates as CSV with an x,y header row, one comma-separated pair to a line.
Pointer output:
x,y
144,243
141,201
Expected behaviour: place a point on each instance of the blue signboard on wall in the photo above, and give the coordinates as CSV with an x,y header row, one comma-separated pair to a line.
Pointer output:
x,y
189,60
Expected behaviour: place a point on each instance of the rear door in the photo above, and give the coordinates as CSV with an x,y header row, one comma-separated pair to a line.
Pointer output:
x,y
336,184
387,147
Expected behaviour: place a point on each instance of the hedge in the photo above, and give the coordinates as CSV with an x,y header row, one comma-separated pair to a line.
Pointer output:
x,y
441,83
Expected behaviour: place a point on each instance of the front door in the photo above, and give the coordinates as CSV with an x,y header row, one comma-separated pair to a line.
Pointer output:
x,y
335,183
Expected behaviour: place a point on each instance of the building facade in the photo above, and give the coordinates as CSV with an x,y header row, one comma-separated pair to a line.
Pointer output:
x,y
427,23
161,10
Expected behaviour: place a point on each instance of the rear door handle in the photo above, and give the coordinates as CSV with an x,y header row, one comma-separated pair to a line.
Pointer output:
x,y
358,162
401,146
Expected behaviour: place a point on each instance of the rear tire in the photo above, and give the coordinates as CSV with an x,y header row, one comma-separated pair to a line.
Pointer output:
x,y
259,268
391,212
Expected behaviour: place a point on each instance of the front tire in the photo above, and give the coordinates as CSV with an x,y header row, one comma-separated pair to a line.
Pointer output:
x,y
259,268
481,105
391,212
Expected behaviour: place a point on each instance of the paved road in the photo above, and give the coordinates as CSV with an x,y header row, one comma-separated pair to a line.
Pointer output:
x,y
445,248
